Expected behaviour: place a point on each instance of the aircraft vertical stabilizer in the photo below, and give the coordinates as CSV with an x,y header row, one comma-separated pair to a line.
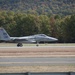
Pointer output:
x,y
4,35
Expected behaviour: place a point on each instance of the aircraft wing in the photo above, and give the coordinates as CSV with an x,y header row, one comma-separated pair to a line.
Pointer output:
x,y
23,39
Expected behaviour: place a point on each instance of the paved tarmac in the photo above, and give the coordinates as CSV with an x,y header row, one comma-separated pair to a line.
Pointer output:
x,y
38,47
30,61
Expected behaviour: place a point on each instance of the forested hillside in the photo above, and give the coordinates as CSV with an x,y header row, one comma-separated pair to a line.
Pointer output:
x,y
65,7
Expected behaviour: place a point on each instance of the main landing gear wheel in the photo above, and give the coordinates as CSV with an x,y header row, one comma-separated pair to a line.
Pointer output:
x,y
19,45
37,45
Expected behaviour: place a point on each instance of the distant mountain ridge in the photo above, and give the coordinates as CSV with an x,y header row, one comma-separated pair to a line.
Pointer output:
x,y
65,7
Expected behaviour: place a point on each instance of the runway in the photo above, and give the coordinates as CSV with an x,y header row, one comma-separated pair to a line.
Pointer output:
x,y
37,47
33,55
40,51
31,61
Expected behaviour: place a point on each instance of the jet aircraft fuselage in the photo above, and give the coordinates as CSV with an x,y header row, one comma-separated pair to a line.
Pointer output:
x,y
30,39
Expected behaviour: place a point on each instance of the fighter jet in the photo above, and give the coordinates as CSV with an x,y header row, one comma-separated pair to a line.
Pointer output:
x,y
4,36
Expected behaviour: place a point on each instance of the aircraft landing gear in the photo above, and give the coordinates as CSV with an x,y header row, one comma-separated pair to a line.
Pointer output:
x,y
19,45
37,44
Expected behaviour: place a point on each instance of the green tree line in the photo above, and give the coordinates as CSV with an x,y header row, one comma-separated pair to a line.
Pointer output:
x,y
21,24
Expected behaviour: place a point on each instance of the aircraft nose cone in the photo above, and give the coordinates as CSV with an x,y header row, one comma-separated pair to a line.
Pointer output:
x,y
55,39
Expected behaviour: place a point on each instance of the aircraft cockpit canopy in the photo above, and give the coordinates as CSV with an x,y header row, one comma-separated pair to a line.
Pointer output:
x,y
42,35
